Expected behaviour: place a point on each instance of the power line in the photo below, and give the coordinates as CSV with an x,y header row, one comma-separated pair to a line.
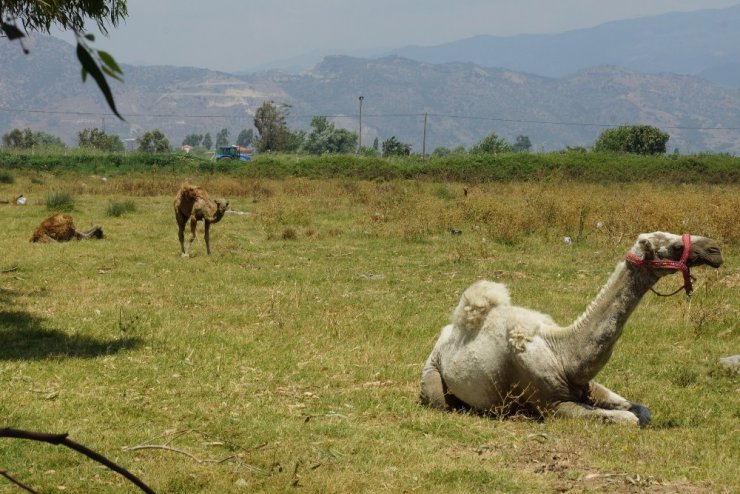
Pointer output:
x,y
580,124
128,115
365,115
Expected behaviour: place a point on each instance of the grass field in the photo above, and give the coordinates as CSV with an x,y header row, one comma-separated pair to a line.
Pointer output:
x,y
289,359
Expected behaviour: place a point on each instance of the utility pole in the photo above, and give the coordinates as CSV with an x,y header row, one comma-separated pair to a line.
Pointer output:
x,y
424,140
359,145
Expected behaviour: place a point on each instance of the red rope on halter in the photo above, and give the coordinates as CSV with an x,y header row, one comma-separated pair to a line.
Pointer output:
x,y
680,265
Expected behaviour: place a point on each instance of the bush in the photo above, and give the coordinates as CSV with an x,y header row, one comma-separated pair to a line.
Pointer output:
x,y
637,139
117,209
61,202
574,164
6,178
444,192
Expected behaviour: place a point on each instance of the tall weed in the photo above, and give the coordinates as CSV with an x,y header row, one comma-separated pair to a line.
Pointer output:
x,y
119,208
60,202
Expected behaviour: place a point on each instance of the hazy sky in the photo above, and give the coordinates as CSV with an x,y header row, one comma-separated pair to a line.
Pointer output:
x,y
233,35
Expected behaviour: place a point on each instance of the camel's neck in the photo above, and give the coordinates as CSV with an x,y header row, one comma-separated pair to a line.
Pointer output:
x,y
215,214
587,344
216,217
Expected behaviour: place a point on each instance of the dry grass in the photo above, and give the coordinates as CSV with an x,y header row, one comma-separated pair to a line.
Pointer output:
x,y
290,357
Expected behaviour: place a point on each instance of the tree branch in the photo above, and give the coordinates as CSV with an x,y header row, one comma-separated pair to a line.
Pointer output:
x,y
16,482
57,439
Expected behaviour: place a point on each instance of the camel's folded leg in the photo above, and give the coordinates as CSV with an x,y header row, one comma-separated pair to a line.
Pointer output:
x,y
582,410
602,397
45,239
434,393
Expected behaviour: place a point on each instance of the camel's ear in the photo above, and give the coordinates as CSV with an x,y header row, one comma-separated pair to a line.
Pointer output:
x,y
647,247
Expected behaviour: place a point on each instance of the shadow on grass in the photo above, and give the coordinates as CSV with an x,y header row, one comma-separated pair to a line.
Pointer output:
x,y
22,337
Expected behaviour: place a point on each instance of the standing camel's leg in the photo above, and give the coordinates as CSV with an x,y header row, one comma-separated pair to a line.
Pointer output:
x,y
207,229
181,232
193,224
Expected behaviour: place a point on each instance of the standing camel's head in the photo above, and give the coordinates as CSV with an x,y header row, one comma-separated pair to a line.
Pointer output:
x,y
661,246
222,205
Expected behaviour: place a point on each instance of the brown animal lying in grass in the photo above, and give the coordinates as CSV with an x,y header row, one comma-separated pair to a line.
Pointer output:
x,y
192,203
60,228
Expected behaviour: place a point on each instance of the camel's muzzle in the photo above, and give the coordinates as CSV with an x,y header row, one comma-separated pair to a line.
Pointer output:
x,y
706,251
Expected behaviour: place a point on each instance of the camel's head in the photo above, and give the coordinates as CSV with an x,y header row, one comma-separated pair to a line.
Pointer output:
x,y
222,205
663,253
661,246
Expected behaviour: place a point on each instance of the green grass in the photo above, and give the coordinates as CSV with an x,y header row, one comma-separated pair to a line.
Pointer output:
x,y
291,360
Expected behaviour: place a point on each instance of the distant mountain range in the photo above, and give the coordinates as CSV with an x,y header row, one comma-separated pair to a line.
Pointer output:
x,y
586,81
705,43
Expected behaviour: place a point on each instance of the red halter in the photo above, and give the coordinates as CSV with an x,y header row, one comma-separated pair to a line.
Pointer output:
x,y
680,265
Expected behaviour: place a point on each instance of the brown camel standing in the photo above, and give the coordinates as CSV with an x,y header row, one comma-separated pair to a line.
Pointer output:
x,y
60,228
192,203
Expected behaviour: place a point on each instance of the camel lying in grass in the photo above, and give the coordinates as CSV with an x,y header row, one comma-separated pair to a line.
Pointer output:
x,y
61,228
192,203
499,358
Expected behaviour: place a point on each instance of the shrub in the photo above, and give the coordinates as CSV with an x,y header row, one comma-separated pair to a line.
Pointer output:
x,y
289,234
443,192
60,202
117,209
638,139
6,178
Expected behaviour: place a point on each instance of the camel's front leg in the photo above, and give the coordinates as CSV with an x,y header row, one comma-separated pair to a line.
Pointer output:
x,y
604,404
602,397
206,236
582,410
193,224
181,220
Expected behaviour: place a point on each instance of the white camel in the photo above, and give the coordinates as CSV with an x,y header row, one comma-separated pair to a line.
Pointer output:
x,y
499,358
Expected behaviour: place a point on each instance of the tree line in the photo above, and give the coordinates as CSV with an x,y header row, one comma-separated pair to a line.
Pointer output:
x,y
153,141
273,135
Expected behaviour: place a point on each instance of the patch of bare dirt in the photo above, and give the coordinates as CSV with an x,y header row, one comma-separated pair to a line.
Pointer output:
x,y
573,475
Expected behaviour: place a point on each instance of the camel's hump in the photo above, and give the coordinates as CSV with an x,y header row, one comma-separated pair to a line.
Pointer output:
x,y
477,301
190,192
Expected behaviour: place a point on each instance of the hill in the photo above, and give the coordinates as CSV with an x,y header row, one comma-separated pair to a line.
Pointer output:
x,y
462,101
704,43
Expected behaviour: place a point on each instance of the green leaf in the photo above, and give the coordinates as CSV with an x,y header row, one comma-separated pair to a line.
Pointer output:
x,y
109,61
83,73
89,65
90,36
112,74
